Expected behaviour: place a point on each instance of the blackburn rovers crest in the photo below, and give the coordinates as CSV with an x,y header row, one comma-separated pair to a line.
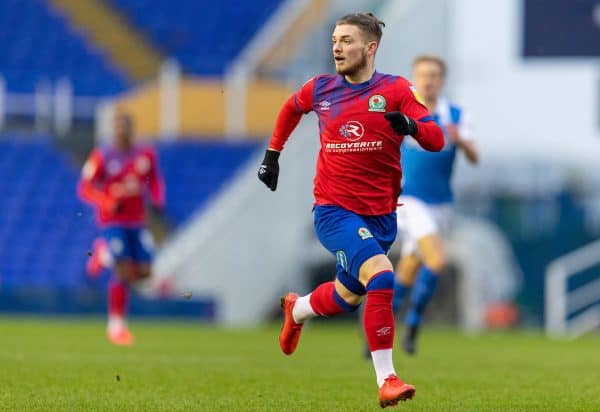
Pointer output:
x,y
364,233
377,103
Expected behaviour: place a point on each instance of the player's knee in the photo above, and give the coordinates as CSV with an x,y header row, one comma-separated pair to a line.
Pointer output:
x,y
373,266
405,277
435,261
121,271
382,280
349,297
349,303
143,272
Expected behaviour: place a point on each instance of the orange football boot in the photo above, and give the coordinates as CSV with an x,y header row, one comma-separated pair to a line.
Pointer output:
x,y
290,331
121,337
394,390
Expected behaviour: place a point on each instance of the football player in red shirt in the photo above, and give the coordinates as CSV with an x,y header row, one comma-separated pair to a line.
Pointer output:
x,y
363,118
116,180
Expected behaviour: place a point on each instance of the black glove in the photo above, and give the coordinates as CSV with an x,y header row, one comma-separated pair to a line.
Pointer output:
x,y
157,210
401,123
269,169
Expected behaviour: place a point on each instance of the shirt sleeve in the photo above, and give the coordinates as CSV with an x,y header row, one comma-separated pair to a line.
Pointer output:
x,y
465,130
410,103
292,110
156,183
93,168
91,177
303,98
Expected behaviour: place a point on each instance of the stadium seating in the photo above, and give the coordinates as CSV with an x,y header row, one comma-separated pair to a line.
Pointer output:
x,y
203,35
39,45
194,171
46,230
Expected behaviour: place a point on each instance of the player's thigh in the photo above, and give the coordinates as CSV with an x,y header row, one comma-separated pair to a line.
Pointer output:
x,y
433,255
142,250
442,215
407,267
349,297
347,236
415,220
118,242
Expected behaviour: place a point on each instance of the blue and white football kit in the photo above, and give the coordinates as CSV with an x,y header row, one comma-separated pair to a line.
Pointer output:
x,y
426,191
426,203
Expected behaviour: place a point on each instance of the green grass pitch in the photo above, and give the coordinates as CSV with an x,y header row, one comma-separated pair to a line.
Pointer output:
x,y
49,364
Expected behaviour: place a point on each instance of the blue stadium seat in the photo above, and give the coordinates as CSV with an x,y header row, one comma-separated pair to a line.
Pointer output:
x,y
40,45
193,31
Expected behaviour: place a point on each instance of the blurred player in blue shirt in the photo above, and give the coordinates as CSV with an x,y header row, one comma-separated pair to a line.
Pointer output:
x,y
426,200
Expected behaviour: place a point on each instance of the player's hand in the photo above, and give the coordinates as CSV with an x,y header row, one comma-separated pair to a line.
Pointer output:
x,y
268,172
111,206
452,133
157,210
402,124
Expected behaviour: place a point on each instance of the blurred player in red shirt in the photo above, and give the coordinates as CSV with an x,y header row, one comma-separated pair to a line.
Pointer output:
x,y
116,180
363,118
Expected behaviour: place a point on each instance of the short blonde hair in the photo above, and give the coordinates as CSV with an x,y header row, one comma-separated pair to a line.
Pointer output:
x,y
431,58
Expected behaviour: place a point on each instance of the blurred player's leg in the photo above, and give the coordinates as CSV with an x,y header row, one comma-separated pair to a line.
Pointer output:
x,y
132,251
118,296
100,259
434,262
406,272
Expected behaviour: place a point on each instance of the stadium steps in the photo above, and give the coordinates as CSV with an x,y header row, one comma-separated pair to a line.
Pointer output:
x,y
109,31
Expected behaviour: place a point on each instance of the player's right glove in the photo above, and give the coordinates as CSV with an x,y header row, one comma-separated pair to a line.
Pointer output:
x,y
402,124
268,172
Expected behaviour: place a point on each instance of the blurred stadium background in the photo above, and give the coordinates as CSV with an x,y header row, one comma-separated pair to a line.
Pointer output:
x,y
204,80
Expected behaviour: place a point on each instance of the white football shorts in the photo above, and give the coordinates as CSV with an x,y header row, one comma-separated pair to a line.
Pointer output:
x,y
417,219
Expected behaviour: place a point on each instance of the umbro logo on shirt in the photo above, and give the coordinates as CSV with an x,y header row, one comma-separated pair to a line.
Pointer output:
x,y
324,105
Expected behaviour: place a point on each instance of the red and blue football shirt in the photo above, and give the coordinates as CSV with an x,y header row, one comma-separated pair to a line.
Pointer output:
x,y
358,167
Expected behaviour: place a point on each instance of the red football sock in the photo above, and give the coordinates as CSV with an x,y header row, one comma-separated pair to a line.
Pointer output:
x,y
117,298
379,319
322,301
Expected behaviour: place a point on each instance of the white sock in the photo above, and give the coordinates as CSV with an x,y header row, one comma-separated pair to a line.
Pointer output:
x,y
302,310
384,366
116,323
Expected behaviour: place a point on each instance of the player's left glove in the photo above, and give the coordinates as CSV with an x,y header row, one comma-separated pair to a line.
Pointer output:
x,y
402,124
268,172
157,210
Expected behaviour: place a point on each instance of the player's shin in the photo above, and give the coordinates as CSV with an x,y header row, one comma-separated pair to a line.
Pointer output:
x,y
118,294
379,323
422,293
400,290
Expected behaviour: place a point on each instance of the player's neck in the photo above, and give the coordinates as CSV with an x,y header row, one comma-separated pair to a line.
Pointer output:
x,y
431,104
362,76
123,147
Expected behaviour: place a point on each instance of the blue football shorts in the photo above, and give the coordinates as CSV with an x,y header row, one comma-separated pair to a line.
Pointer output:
x,y
353,239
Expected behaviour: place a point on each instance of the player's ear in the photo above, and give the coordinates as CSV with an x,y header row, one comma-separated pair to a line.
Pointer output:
x,y
372,47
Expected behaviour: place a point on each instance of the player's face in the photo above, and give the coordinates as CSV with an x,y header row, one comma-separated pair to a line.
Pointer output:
x,y
350,50
123,129
428,79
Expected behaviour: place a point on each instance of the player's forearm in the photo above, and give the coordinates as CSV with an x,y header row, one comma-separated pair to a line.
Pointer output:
x,y
430,136
286,122
469,150
90,194
157,191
